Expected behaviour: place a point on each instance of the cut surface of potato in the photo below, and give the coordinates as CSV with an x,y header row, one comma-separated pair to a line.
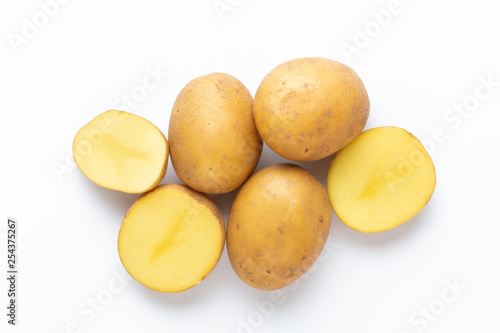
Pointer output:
x,y
121,151
381,179
171,238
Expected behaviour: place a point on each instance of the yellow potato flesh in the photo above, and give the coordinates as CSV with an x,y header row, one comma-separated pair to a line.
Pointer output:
x,y
170,241
380,180
121,151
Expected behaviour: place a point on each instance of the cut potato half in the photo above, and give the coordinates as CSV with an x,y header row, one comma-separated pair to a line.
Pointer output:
x,y
121,151
171,238
381,179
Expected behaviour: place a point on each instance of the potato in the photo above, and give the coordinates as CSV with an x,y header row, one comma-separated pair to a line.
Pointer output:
x,y
381,179
171,238
214,145
121,151
277,226
306,109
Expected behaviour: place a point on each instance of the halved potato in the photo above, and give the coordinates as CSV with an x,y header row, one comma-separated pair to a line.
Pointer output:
x,y
121,151
381,179
171,238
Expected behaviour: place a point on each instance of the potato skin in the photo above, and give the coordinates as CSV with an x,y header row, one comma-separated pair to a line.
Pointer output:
x,y
214,145
308,108
277,226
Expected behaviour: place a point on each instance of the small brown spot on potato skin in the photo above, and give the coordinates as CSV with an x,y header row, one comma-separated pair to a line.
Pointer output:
x,y
237,227
280,230
217,84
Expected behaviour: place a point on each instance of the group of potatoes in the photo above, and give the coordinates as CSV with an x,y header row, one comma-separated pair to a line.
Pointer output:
x,y
305,109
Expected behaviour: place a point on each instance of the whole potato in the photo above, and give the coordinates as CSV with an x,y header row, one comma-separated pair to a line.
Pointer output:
x,y
309,108
214,145
277,226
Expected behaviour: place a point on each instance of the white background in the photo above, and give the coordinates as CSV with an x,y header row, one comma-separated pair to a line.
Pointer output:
x,y
427,58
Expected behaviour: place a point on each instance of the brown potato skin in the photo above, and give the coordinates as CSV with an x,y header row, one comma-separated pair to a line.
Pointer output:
x,y
308,108
214,145
277,226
